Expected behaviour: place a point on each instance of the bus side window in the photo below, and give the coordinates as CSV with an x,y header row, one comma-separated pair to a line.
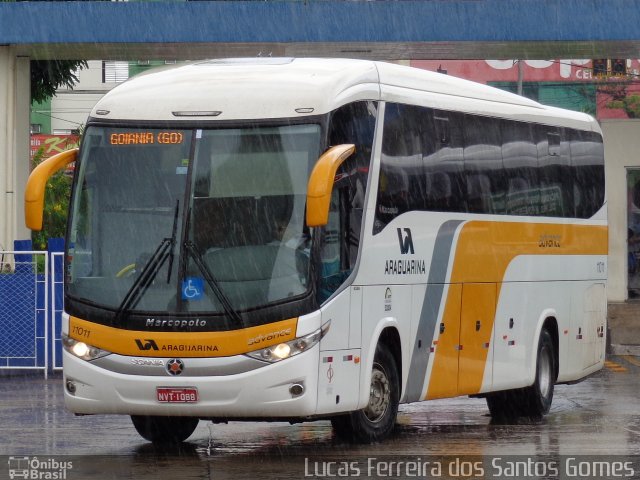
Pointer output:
x,y
555,174
520,157
444,163
486,182
353,123
402,183
588,167
341,236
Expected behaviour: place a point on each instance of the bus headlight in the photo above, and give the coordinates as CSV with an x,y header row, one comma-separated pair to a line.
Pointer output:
x,y
278,352
81,349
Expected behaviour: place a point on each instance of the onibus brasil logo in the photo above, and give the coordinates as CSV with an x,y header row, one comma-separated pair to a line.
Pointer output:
x,y
38,469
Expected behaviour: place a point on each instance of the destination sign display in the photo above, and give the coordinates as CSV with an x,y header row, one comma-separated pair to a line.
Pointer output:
x,y
146,138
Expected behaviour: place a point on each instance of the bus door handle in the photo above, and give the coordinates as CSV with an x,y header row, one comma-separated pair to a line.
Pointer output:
x,y
442,328
477,325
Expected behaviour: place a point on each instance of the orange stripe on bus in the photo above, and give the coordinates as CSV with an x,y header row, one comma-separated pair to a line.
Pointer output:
x,y
444,373
483,252
182,344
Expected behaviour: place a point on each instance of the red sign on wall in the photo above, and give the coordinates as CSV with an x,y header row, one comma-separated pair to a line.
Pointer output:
x,y
52,144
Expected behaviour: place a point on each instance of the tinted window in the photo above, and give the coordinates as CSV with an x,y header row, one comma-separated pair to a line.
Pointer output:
x,y
444,164
401,187
556,177
483,165
587,155
452,162
339,246
520,158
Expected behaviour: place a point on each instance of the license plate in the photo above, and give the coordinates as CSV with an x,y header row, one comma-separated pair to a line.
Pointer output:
x,y
177,395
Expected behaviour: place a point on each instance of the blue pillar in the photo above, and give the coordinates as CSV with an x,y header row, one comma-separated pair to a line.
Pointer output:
x,y
23,261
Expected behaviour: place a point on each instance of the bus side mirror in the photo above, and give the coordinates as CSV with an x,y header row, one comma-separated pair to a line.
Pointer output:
x,y
34,192
321,183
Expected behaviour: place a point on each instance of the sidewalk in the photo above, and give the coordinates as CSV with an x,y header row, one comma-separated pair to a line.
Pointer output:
x,y
624,328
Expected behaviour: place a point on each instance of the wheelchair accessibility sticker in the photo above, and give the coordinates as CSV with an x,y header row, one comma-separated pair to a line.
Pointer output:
x,y
192,288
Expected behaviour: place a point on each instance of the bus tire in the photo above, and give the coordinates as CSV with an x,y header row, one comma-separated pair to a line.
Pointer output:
x,y
501,406
533,401
164,429
536,399
377,420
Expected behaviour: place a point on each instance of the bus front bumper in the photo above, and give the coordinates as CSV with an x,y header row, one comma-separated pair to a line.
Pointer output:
x,y
271,391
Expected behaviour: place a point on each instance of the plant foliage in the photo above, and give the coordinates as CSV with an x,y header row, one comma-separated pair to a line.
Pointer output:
x,y
621,98
630,105
49,75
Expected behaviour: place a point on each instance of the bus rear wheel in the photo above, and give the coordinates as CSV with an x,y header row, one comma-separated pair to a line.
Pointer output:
x,y
376,421
533,401
164,429
538,397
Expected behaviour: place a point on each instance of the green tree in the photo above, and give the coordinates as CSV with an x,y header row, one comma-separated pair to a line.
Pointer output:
x,y
630,104
56,204
49,75
621,99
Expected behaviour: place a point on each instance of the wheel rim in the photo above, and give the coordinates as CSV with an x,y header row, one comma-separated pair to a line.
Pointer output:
x,y
379,394
544,372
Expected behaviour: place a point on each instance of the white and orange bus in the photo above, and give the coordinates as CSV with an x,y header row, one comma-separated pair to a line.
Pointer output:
x,y
303,239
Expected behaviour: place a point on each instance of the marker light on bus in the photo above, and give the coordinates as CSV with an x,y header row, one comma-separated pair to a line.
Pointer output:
x,y
197,113
81,349
278,352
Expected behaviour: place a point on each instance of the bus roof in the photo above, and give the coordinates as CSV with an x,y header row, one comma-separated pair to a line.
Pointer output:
x,y
271,88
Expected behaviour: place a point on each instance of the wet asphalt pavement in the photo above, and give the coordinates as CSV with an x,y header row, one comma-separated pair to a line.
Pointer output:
x,y
600,416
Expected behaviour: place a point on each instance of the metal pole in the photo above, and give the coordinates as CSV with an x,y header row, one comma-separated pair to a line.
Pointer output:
x,y
520,76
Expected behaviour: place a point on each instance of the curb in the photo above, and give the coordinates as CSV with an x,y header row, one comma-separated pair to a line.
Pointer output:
x,y
625,350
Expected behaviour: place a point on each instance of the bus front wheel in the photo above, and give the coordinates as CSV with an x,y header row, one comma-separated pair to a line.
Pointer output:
x,y
164,429
377,420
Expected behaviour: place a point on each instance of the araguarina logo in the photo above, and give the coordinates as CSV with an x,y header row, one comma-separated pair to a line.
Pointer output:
x,y
148,344
406,242
405,266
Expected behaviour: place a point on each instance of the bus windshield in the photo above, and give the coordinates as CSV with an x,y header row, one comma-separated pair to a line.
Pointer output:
x,y
246,215
180,221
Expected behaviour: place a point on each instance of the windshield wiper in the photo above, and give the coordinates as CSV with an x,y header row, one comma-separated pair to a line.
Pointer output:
x,y
150,270
213,283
